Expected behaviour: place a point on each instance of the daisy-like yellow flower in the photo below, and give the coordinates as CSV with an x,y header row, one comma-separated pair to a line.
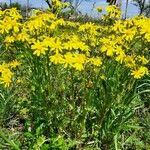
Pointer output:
x,y
139,72
57,59
142,59
56,46
68,59
79,61
6,76
9,39
38,48
14,64
96,61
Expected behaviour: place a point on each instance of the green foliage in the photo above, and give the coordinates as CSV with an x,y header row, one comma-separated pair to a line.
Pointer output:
x,y
8,140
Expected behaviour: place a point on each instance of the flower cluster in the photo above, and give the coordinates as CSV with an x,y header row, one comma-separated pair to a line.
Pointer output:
x,y
113,12
6,72
78,45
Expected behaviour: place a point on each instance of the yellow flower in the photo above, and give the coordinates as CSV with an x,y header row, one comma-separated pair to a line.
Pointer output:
x,y
129,34
38,48
57,59
120,55
6,77
82,46
9,39
147,36
96,61
3,67
130,61
89,28
13,12
69,45
79,61
108,49
61,22
56,46
143,60
48,41
75,44
8,24
78,66
79,58
6,73
113,12
56,3
68,59
23,36
118,26
14,64
139,72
